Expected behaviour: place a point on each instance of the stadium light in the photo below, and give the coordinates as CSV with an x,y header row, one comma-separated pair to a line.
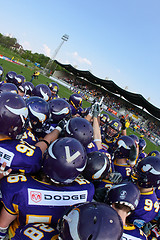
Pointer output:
x,y
64,38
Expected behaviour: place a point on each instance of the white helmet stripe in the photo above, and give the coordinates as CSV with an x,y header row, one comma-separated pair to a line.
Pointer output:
x,y
50,150
98,174
42,117
63,111
67,129
21,111
121,143
150,168
73,225
78,98
45,95
81,169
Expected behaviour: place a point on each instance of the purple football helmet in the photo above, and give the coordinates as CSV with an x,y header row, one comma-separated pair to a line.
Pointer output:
x,y
59,109
135,138
147,172
27,88
13,115
43,91
125,147
38,113
65,159
91,221
142,144
104,118
80,129
75,100
10,77
98,166
112,129
126,193
154,153
8,87
19,79
53,87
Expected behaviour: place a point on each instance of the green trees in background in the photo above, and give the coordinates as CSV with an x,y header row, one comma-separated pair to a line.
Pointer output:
x,y
10,43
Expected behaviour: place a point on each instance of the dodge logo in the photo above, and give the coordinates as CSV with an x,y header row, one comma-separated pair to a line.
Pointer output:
x,y
36,196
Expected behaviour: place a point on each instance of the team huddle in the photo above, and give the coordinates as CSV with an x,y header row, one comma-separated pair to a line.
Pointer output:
x,y
70,173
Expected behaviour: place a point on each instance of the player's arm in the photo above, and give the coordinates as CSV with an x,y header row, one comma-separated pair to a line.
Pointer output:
x,y
5,220
50,137
96,127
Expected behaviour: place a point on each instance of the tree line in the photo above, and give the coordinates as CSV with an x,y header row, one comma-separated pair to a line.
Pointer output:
x,y
11,42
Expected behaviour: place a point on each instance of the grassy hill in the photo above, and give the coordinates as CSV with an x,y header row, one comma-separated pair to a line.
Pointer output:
x,y
63,92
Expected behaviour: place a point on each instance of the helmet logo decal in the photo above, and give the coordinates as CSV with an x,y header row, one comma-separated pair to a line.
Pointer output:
x,y
63,111
115,124
149,168
10,75
21,111
121,143
70,158
123,194
45,95
42,117
98,174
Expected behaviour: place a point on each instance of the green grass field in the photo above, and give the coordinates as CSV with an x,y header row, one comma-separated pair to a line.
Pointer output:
x,y
63,92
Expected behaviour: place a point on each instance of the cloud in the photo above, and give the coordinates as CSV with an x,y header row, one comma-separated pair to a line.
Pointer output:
x,y
26,45
46,50
8,35
81,59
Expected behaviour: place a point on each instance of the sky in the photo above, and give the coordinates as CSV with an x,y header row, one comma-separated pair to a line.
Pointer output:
x,y
114,39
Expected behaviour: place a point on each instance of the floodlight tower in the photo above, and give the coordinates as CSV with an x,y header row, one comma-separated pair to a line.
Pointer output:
x,y
64,38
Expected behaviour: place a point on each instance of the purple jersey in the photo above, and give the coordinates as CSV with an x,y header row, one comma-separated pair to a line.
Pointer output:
x,y
131,232
124,169
109,157
37,231
147,208
91,147
20,156
29,137
35,201
141,156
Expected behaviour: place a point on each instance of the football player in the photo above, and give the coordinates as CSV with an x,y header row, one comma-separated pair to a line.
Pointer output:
x,y
43,91
75,101
44,197
91,221
147,177
54,90
125,156
124,198
17,153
